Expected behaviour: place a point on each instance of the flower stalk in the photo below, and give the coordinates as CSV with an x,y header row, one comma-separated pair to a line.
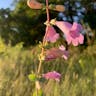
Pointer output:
x,y
38,86
44,41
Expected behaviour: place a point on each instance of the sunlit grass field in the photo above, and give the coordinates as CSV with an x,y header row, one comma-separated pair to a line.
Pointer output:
x,y
78,72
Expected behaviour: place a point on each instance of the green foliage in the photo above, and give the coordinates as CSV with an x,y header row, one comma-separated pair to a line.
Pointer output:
x,y
2,46
78,73
16,62
32,77
39,92
26,25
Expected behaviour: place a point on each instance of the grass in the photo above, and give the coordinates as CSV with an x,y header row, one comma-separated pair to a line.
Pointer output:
x,y
78,73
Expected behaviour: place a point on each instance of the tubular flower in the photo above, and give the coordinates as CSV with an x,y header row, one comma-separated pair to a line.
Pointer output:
x,y
72,32
52,75
51,34
54,53
34,4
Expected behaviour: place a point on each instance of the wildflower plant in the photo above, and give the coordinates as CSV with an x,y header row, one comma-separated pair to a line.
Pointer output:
x,y
72,33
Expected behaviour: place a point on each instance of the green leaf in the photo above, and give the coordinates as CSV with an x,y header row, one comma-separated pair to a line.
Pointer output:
x,y
32,77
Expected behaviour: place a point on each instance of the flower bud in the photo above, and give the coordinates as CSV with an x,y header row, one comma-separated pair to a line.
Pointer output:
x,y
34,4
59,8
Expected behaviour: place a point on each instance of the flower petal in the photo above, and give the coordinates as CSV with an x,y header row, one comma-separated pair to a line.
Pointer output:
x,y
52,75
68,39
66,54
51,34
76,27
54,53
62,48
55,37
75,42
64,26
81,39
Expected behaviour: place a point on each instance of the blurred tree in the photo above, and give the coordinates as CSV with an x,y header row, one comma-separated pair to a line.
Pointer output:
x,y
23,24
27,25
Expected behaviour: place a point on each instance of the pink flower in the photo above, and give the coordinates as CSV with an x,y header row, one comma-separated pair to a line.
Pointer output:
x,y
51,34
54,53
52,75
72,32
65,53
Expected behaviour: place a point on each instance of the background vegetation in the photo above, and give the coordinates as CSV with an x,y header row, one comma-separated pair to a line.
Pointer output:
x,y
20,31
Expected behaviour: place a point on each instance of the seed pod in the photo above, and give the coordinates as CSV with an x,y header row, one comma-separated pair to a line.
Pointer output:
x,y
34,4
